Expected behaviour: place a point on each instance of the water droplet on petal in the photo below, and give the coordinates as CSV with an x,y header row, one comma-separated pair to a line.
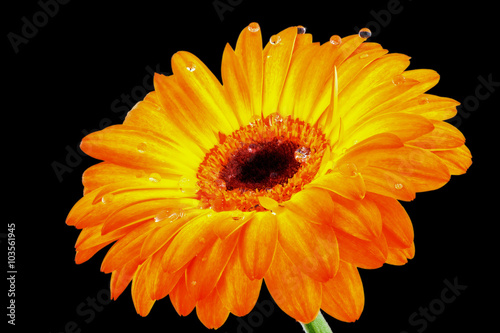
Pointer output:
x,y
301,30
363,55
191,67
202,240
275,39
237,215
302,154
275,118
398,80
336,40
398,186
193,283
365,33
107,198
154,177
142,147
204,259
423,100
348,170
253,27
169,215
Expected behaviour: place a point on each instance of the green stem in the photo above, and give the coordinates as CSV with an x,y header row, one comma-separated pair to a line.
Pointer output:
x,y
318,325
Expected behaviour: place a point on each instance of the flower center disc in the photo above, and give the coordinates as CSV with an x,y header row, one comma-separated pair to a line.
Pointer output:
x,y
273,157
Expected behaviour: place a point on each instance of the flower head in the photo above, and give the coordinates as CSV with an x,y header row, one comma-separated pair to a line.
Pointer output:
x,y
288,172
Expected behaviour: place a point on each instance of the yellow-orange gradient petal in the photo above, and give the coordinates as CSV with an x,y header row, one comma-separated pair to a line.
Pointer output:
x,y
288,171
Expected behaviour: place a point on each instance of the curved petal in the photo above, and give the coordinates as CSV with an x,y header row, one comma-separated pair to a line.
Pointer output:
x,y
360,218
204,271
257,244
237,292
298,295
211,311
362,253
143,303
277,58
343,296
311,247
249,52
182,301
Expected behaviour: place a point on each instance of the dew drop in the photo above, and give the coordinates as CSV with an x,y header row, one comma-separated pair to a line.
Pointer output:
x,y
253,27
363,55
275,39
365,33
193,283
398,80
398,186
301,30
202,240
423,100
237,215
302,154
169,215
348,170
204,259
191,67
336,40
142,147
275,118
154,177
107,198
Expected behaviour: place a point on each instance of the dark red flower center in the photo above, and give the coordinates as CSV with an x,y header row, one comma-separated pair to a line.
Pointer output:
x,y
261,165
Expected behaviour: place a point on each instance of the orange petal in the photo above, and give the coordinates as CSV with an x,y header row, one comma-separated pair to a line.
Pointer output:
x,y
183,112
139,149
444,136
160,284
204,91
349,186
237,220
398,229
139,211
276,62
428,106
143,303
311,247
315,201
191,240
458,160
126,249
257,244
249,52
204,271
388,183
404,126
360,218
400,256
236,86
150,115
121,278
298,295
211,311
105,173
362,253
237,292
182,301
343,296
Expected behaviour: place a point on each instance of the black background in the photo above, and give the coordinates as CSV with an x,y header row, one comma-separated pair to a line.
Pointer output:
x,y
63,81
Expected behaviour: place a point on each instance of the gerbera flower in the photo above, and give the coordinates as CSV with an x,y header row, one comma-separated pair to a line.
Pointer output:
x,y
288,172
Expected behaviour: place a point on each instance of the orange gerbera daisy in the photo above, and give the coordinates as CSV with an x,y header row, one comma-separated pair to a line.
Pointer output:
x,y
289,172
